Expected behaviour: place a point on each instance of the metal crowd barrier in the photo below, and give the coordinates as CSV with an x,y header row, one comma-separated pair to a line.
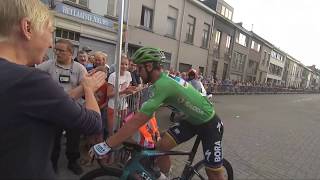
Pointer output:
x,y
131,103
243,89
128,104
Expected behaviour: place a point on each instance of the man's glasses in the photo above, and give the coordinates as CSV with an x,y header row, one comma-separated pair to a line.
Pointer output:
x,y
59,50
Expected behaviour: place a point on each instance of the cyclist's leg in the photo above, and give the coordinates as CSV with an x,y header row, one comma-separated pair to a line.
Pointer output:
x,y
211,137
177,134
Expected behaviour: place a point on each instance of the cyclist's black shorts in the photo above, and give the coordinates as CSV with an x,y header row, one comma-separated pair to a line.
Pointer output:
x,y
210,134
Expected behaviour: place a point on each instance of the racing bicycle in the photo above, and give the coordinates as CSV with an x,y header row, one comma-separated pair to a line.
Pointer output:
x,y
141,165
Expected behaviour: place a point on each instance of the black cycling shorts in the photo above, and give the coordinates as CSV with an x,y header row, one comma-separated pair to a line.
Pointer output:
x,y
210,134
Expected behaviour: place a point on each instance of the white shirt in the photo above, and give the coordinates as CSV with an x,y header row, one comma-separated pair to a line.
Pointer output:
x,y
124,82
75,71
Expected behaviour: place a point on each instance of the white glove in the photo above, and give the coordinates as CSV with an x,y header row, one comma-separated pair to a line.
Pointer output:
x,y
100,150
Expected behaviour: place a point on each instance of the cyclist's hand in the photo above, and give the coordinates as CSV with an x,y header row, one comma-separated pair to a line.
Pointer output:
x,y
99,151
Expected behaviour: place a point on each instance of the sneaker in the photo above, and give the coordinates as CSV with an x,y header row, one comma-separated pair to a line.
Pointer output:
x,y
75,168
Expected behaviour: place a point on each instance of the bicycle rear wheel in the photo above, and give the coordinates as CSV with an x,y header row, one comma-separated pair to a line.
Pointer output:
x,y
109,173
200,172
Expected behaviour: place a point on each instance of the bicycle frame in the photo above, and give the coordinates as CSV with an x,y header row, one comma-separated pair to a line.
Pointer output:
x,y
135,167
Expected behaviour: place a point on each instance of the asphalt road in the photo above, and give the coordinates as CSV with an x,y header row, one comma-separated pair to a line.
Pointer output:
x,y
265,137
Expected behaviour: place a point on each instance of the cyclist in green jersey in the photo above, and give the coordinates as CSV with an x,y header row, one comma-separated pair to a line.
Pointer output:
x,y
199,115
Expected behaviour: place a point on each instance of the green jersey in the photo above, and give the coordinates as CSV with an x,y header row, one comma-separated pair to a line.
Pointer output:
x,y
181,95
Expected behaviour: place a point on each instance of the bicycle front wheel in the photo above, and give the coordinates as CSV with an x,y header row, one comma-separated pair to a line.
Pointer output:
x,y
109,173
199,172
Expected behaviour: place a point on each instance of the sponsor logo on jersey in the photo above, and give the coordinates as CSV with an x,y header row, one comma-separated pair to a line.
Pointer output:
x,y
189,105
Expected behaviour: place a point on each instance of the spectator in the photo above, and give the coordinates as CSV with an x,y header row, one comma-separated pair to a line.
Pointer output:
x,y
33,104
124,81
136,81
68,74
195,82
101,95
83,59
102,100
177,74
112,68
184,76
87,49
91,58
200,77
172,72
101,60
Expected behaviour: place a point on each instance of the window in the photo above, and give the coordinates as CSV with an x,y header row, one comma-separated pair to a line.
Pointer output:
x,y
205,35
184,67
252,67
191,21
230,15
217,37
66,34
242,39
83,2
275,70
171,29
264,58
269,55
226,12
201,69
228,43
167,62
238,61
80,2
277,56
146,17
258,47
223,9
172,21
255,46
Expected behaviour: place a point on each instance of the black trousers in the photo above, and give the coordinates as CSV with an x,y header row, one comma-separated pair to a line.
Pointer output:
x,y
72,146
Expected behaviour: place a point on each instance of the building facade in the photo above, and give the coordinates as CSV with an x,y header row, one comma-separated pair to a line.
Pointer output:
x,y
292,73
221,47
193,33
265,55
81,22
181,28
240,54
254,59
276,67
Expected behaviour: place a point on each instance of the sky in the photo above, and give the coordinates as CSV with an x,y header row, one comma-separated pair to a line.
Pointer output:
x,y
291,25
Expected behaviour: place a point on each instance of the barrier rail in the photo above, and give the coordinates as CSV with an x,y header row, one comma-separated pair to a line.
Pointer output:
x,y
241,89
129,104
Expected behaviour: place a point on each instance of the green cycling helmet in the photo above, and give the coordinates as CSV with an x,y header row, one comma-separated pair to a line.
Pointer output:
x,y
148,54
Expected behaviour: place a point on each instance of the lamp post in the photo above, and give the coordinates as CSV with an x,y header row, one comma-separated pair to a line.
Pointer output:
x,y
117,67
